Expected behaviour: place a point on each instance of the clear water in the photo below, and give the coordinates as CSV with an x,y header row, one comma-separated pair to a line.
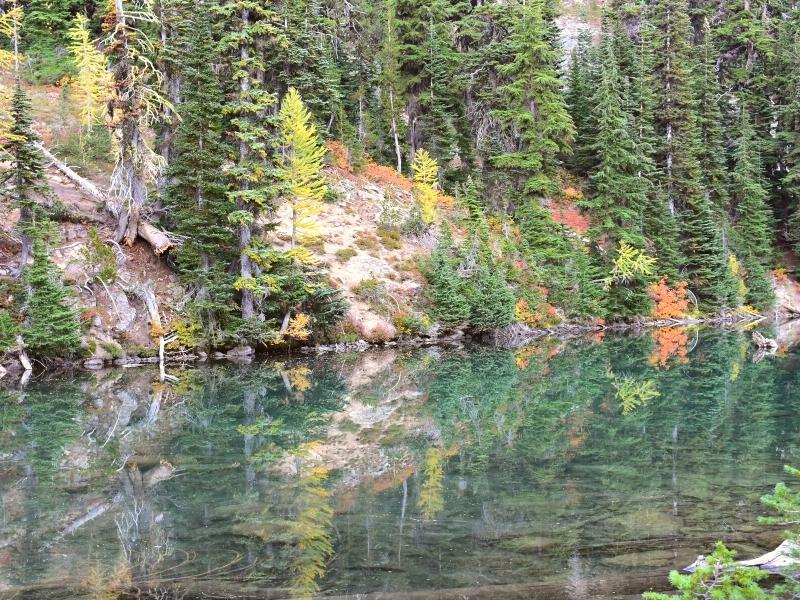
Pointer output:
x,y
578,469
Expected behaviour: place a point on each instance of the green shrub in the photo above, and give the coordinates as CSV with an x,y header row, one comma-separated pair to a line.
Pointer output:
x,y
87,149
345,254
9,329
48,65
100,260
390,237
719,578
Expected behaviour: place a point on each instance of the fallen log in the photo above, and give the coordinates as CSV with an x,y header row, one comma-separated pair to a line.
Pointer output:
x,y
784,557
83,183
157,238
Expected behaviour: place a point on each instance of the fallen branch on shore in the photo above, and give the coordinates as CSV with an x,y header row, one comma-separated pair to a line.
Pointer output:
x,y
160,240
785,556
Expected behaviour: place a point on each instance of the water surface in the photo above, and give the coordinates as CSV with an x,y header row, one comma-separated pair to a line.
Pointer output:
x,y
574,469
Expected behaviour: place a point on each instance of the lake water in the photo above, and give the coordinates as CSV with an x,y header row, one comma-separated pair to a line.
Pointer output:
x,y
578,469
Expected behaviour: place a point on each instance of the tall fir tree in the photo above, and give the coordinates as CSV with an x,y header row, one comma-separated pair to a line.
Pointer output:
x,y
252,29
533,102
753,217
196,195
25,183
618,192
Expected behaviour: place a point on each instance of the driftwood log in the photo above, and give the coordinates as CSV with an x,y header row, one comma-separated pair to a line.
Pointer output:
x,y
158,239
776,562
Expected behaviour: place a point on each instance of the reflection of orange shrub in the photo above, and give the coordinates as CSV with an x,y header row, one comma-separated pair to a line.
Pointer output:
x,y
340,155
670,302
384,175
671,342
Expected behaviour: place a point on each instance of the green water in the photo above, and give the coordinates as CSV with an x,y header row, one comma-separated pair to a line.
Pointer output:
x,y
574,469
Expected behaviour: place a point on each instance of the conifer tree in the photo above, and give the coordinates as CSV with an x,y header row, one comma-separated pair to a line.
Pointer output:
x,y
710,122
252,27
450,305
51,325
24,179
301,162
491,301
617,189
426,184
753,221
579,98
533,103
196,196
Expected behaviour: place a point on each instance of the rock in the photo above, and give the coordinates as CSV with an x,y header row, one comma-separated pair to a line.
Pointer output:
x,y
3,371
241,351
94,363
126,314
787,296
764,343
74,274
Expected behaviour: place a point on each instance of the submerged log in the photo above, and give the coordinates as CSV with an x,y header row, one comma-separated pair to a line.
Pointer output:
x,y
776,562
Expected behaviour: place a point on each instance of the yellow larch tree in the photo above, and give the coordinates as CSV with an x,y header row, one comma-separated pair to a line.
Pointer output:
x,y
92,87
301,162
426,184
10,23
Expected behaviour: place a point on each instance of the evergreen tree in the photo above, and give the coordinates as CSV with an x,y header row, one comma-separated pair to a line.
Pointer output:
x,y
753,221
681,174
24,179
491,301
533,104
450,306
579,97
710,122
196,196
749,192
251,29
617,189
51,325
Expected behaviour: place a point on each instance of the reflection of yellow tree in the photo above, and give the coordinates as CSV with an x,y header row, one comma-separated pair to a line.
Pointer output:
x,y
633,393
312,531
431,500
101,584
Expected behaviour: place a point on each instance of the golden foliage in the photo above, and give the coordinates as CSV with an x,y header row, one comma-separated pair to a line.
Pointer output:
x,y
302,160
629,263
92,88
633,393
431,496
426,184
311,529
299,327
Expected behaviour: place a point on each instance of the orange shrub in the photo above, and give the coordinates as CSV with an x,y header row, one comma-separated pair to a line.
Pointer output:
x,y
780,275
340,155
542,315
669,302
671,343
568,215
387,176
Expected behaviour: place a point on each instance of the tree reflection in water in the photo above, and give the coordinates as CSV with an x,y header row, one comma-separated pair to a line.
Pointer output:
x,y
562,464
